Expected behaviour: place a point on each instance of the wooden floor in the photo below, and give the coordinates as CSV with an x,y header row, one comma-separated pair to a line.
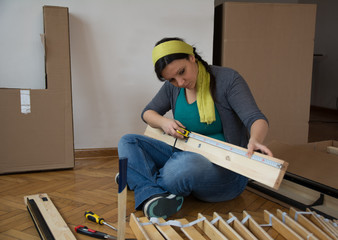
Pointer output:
x,y
90,186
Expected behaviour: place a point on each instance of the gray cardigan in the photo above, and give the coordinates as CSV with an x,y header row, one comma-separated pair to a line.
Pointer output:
x,y
233,99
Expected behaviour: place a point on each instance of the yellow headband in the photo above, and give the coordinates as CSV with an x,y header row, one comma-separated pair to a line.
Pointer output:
x,y
171,47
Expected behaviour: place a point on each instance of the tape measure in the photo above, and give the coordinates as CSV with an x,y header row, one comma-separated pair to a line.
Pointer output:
x,y
238,151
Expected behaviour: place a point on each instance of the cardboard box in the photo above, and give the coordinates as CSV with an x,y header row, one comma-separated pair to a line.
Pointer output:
x,y
310,161
271,46
37,125
311,180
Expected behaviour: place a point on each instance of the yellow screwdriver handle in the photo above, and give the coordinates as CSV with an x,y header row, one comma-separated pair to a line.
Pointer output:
x,y
94,217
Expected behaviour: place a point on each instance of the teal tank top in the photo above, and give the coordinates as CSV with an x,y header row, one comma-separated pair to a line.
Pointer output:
x,y
188,115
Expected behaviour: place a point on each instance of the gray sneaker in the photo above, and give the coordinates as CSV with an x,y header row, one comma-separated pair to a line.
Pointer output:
x,y
117,176
163,206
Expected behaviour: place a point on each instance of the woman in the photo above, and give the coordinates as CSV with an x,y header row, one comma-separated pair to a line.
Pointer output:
x,y
210,100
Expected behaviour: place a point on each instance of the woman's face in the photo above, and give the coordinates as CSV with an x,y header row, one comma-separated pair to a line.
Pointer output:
x,y
182,73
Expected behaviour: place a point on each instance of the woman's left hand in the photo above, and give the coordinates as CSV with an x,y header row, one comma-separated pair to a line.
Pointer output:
x,y
254,145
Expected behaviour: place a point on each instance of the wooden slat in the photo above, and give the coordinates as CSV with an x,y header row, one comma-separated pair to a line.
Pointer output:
x,y
138,230
150,229
167,231
210,229
226,229
299,229
241,229
122,203
329,225
190,231
256,170
321,225
280,227
254,227
310,226
326,222
52,217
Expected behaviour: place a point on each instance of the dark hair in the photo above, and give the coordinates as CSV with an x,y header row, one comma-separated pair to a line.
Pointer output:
x,y
164,61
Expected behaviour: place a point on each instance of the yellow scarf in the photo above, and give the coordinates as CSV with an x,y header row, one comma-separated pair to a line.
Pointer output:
x,y
205,103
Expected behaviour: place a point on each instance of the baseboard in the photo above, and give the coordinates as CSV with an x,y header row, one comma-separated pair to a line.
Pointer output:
x,y
324,110
95,153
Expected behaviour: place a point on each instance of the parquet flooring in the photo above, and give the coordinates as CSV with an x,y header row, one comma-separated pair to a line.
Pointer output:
x,y
90,186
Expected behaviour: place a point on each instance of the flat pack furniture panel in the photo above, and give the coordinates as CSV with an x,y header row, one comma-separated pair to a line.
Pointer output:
x,y
43,212
271,46
37,125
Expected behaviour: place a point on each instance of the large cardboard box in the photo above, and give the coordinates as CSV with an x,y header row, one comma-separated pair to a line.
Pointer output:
x,y
311,180
271,46
37,125
311,161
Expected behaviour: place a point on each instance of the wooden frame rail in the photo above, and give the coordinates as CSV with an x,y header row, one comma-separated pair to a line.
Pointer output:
x,y
263,171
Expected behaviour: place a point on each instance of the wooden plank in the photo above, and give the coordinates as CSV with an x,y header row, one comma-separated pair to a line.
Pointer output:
x,y
210,230
122,203
137,229
328,224
122,198
306,223
150,229
191,232
299,229
263,173
254,227
241,229
313,217
52,217
225,228
167,231
280,227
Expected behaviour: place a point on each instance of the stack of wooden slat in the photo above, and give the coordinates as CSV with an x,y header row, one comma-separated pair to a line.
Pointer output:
x,y
245,225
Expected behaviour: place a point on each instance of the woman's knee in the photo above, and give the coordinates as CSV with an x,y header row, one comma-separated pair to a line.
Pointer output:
x,y
186,164
182,172
127,138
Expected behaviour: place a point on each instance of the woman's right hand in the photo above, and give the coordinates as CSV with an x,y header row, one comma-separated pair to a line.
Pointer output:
x,y
171,126
168,125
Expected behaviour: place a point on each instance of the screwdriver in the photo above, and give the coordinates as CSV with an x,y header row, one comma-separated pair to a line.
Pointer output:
x,y
93,233
95,218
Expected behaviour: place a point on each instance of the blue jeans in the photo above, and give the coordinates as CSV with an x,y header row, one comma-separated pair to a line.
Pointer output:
x,y
155,167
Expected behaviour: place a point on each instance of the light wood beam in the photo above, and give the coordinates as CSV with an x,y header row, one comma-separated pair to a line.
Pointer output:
x,y
259,171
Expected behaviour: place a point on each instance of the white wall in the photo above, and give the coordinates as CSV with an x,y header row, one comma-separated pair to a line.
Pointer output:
x,y
111,44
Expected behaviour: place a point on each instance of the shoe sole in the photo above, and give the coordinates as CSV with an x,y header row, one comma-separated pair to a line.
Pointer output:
x,y
163,207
